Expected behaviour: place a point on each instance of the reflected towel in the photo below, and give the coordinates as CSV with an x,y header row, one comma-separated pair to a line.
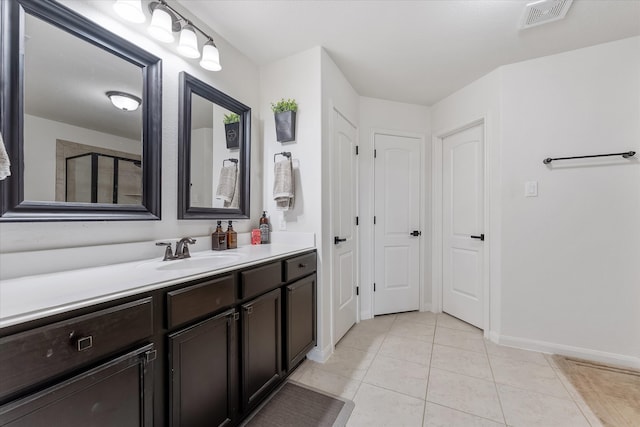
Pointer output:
x,y
227,183
235,202
5,163
283,185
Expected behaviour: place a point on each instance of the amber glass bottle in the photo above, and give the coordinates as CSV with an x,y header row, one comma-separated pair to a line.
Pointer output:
x,y
232,237
219,239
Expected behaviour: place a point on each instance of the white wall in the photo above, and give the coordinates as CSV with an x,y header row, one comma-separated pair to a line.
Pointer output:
x,y
378,114
564,272
337,95
239,78
571,256
40,152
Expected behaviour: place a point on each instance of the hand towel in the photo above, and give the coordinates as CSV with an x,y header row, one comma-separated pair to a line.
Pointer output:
x,y
5,163
283,185
227,183
235,201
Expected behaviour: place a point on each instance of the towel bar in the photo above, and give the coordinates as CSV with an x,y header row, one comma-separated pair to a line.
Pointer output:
x,y
626,155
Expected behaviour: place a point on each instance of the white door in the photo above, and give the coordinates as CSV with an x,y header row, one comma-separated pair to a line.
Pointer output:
x,y
463,224
397,216
344,212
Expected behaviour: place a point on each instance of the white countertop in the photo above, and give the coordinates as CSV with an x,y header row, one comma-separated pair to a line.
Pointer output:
x,y
32,297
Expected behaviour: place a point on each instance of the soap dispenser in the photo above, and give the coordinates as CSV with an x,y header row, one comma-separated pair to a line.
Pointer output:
x,y
219,239
232,237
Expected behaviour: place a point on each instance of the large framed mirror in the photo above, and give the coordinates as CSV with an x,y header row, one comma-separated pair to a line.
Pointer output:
x,y
80,114
214,153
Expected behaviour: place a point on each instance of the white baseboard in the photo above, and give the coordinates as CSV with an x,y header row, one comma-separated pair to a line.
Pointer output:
x,y
364,315
426,307
320,356
567,350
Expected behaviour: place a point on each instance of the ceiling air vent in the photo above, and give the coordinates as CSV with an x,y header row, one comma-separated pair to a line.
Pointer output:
x,y
541,12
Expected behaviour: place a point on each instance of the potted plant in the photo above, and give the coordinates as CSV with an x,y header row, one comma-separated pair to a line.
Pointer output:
x,y
232,129
285,114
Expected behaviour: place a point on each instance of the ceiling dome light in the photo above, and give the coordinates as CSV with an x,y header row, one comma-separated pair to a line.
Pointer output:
x,y
161,25
124,101
130,10
210,57
188,45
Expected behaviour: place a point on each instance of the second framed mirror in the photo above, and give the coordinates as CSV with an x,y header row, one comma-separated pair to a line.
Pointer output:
x,y
214,153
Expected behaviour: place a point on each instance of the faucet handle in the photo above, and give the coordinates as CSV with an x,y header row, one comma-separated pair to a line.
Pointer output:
x,y
168,254
185,247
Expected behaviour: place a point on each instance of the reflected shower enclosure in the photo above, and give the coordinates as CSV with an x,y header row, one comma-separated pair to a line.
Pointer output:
x,y
101,178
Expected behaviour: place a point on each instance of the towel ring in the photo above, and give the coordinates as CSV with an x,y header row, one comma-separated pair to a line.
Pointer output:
x,y
284,153
230,160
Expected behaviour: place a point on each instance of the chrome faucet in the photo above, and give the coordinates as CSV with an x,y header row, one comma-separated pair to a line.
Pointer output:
x,y
182,249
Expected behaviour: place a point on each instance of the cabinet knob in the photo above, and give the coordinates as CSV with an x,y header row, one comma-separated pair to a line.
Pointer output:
x,y
301,265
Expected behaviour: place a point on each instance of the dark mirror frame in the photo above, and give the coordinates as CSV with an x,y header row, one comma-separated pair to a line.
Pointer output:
x,y
188,86
13,207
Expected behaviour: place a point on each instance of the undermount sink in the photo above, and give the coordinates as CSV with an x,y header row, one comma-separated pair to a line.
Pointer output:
x,y
197,261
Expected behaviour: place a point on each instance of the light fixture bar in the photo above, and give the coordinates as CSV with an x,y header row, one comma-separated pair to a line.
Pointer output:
x,y
176,24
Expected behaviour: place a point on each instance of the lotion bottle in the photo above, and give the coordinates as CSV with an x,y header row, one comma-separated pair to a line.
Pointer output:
x,y
232,237
264,228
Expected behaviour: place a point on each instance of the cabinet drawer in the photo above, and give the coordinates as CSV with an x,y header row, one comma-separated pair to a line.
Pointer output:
x,y
31,357
259,280
299,266
193,302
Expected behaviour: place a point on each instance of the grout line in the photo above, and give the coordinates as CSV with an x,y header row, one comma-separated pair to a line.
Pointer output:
x,y
495,384
464,412
426,393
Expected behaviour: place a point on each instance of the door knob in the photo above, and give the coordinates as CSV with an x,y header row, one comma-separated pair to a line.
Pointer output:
x,y
415,233
337,240
481,237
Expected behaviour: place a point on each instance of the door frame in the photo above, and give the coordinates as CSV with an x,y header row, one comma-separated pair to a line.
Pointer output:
x,y
421,215
332,126
437,223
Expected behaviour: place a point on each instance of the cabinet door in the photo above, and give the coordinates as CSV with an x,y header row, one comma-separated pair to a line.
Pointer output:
x,y
116,393
204,373
300,322
261,347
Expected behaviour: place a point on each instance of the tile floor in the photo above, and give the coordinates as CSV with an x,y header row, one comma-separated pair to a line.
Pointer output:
x,y
426,369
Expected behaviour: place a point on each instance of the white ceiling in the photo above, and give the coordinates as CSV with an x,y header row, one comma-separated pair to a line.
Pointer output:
x,y
411,51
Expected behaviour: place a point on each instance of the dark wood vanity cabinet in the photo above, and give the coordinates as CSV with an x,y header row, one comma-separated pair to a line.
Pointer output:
x,y
300,320
261,347
203,364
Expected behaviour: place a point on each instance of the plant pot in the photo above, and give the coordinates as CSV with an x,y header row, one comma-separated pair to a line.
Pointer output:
x,y
286,126
232,132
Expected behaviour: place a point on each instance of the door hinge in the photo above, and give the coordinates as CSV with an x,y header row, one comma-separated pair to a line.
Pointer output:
x,y
357,290
150,356
375,153
374,287
357,221
374,220
357,150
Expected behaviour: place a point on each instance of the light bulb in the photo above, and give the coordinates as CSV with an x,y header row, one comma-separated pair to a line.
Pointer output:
x,y
188,45
130,10
210,57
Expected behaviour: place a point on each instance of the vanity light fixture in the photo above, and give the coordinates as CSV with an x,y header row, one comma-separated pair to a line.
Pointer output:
x,y
124,101
165,21
131,10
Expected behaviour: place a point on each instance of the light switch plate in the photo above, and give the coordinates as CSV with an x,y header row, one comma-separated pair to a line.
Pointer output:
x,y
531,189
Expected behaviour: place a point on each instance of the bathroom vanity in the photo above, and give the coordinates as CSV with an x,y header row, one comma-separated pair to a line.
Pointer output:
x,y
201,348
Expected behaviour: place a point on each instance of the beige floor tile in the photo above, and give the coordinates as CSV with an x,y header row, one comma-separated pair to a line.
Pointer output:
x,y
347,362
361,339
441,416
378,323
526,408
409,329
330,382
461,339
378,407
451,322
516,353
425,317
460,361
297,373
529,376
406,349
467,394
398,375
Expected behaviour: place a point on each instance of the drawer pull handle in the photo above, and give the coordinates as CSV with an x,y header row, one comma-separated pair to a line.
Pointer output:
x,y
249,310
301,265
84,343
